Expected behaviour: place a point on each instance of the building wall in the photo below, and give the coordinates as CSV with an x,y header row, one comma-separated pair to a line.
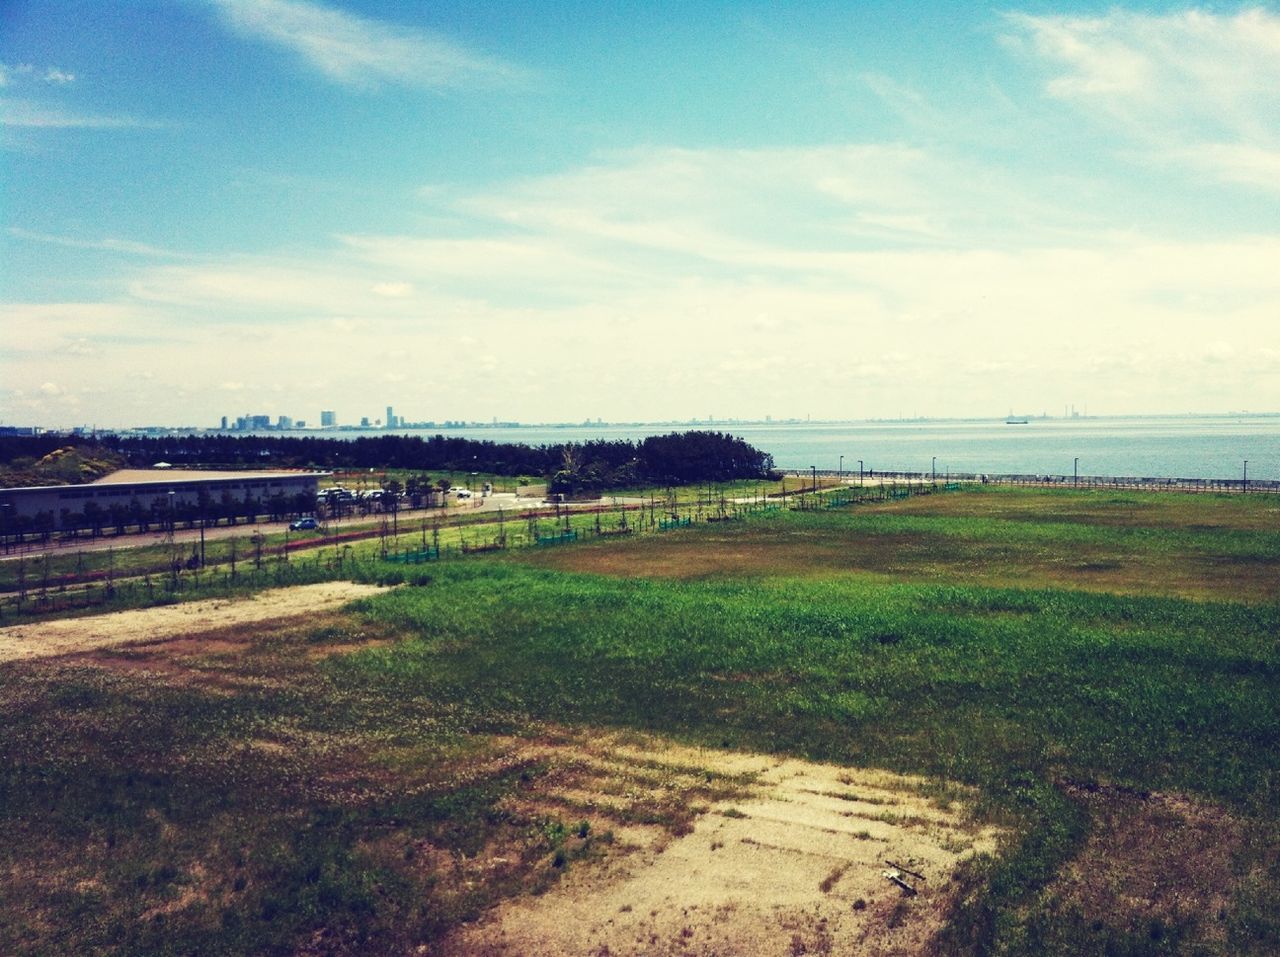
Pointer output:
x,y
18,506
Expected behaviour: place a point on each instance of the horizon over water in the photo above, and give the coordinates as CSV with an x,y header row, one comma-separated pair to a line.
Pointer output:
x,y
1207,447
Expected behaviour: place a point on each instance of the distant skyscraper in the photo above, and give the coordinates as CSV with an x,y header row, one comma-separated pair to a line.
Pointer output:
x,y
391,418
328,419
224,423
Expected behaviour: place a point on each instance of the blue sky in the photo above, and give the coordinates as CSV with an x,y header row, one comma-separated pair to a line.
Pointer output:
x,y
550,212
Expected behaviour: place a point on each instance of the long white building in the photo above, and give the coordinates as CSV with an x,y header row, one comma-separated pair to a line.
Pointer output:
x,y
137,496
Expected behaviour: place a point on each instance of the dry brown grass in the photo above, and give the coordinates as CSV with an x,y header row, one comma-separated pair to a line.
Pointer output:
x,y
776,549
1159,867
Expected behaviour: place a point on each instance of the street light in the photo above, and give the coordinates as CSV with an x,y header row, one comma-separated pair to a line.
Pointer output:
x,y
814,469
933,471
841,472
859,471
1075,471
1244,483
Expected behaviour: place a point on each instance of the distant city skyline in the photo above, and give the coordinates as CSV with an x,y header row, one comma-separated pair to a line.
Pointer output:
x,y
546,213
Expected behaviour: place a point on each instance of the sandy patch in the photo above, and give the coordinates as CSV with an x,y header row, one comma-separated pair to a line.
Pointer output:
x,y
47,639
789,857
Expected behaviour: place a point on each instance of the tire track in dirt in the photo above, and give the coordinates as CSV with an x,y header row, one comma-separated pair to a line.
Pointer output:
x,y
48,639
790,857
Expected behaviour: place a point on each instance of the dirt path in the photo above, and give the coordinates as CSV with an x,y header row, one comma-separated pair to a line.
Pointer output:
x,y
794,862
47,639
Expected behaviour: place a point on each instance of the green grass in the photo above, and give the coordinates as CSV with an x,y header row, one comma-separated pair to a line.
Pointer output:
x,y
276,797
1146,691
1020,539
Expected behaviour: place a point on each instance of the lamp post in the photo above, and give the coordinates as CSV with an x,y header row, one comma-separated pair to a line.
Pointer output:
x,y
933,470
840,474
1244,482
859,471
814,469
1075,471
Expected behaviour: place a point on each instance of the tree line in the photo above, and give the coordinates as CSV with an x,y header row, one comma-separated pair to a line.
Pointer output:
x,y
574,467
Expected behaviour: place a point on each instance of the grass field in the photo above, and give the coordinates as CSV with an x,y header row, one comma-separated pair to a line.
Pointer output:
x,y
1100,672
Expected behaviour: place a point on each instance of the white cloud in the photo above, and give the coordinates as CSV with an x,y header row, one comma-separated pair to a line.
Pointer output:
x,y
25,113
10,73
1196,84
761,281
108,244
1236,162
1226,66
359,51
392,290
50,388
58,77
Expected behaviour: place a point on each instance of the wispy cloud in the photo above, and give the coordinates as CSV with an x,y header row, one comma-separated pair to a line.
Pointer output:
x,y
1195,65
107,245
53,75
9,74
1237,163
777,209
26,113
1191,77
358,51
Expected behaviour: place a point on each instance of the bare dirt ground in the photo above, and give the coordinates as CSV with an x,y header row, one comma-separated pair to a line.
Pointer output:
x,y
45,639
1156,865
788,857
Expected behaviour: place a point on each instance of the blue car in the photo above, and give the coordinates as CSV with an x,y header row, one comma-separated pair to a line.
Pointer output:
x,y
304,523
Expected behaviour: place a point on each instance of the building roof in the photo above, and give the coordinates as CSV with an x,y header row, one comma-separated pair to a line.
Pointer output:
x,y
170,475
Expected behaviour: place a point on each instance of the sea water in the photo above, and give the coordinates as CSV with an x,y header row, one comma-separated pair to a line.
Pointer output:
x,y
1208,447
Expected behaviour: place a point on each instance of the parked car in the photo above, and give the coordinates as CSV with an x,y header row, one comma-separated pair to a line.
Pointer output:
x,y
464,493
303,524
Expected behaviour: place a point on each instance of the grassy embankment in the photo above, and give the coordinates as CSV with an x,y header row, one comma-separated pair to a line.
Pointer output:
x,y
1063,653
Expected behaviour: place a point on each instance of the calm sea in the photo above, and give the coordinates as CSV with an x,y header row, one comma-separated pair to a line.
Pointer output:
x,y
1210,447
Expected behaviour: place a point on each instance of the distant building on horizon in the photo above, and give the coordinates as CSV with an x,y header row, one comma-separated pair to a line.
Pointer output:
x,y
248,423
328,419
391,418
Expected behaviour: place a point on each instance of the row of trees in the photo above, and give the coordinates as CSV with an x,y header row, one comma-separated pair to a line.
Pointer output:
x,y
677,458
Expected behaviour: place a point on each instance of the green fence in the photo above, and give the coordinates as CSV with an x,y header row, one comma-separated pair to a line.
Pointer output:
x,y
560,538
417,557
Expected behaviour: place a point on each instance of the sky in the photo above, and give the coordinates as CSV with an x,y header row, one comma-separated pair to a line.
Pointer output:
x,y
547,212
